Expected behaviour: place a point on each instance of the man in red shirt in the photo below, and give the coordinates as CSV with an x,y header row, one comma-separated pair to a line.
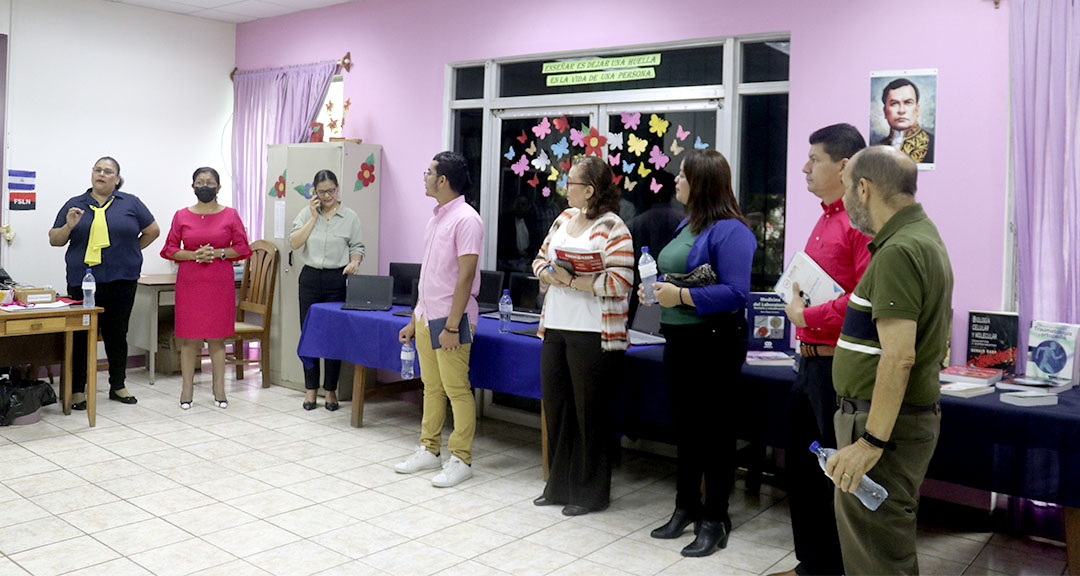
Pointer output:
x,y
841,251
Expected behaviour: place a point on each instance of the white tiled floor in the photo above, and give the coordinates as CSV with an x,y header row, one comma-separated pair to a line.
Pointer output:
x,y
265,487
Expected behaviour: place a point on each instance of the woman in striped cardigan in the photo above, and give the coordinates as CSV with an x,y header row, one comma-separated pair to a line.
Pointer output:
x,y
583,326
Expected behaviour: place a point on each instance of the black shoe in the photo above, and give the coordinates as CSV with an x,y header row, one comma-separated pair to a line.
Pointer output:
x,y
79,405
332,406
680,519
713,536
575,510
309,405
122,399
544,501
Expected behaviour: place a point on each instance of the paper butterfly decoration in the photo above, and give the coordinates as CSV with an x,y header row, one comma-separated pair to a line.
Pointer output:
x,y
510,154
565,165
699,144
614,160
616,179
631,121
561,183
636,145
675,148
680,133
594,142
643,171
542,129
531,149
533,181
546,191
658,125
577,137
614,141
654,186
523,137
562,148
629,185
657,158
561,124
541,162
520,166
628,167
554,176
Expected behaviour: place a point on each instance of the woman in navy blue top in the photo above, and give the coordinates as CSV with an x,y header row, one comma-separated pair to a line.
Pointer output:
x,y
706,334
116,267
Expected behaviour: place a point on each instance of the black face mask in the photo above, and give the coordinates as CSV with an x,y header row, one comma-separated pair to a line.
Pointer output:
x,y
206,194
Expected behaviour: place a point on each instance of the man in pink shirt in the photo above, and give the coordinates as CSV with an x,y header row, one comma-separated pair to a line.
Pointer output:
x,y
449,283
841,251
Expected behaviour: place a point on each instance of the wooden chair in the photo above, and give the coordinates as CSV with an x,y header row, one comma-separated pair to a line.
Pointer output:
x,y
256,297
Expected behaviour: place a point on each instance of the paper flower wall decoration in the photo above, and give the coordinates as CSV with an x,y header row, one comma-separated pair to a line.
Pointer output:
x,y
277,189
366,176
594,142
304,190
335,125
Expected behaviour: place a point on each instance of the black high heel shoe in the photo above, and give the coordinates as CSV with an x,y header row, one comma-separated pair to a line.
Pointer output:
x,y
712,537
680,519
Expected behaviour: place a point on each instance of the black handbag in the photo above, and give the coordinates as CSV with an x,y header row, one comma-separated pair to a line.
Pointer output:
x,y
701,276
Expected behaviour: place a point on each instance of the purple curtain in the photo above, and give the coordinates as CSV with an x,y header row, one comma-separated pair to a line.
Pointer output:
x,y
271,106
1045,90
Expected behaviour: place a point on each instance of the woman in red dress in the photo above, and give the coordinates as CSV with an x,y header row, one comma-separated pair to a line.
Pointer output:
x,y
203,239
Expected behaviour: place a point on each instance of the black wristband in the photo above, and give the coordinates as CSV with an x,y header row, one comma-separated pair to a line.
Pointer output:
x,y
877,442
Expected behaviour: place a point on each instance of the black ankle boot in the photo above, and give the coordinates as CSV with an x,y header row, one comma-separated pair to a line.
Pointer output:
x,y
680,519
713,535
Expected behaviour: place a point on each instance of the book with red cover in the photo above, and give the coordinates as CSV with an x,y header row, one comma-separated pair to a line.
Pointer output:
x,y
973,375
578,261
992,340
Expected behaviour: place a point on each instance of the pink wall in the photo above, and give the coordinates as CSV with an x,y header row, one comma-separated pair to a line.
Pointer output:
x,y
400,50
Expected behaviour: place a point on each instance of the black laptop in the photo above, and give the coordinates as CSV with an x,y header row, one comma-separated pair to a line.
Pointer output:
x,y
528,302
491,287
368,292
405,276
646,328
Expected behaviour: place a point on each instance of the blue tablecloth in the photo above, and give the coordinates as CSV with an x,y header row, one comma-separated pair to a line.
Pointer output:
x,y
985,443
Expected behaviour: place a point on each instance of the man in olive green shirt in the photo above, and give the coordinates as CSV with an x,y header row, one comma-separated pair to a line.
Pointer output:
x,y
887,359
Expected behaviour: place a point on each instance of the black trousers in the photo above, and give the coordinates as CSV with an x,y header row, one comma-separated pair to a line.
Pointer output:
x,y
702,362
317,286
577,382
811,406
116,298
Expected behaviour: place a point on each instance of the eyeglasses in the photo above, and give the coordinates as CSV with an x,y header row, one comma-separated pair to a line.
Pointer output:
x,y
569,183
329,192
104,171
201,184
429,173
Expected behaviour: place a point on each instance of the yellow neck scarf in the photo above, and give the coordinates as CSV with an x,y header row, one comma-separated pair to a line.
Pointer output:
x,y
99,234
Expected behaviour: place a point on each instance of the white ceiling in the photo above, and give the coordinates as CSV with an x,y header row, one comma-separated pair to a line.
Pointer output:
x,y
232,10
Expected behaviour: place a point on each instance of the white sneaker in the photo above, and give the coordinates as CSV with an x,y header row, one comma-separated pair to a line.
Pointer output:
x,y
422,459
453,473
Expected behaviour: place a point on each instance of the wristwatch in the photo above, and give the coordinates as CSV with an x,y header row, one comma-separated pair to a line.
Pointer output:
x,y
222,253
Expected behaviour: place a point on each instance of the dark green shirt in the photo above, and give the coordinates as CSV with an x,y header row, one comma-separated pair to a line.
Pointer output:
x,y
672,260
909,277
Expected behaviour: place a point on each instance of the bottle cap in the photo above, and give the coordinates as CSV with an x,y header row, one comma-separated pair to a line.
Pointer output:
x,y
506,290
814,447
644,249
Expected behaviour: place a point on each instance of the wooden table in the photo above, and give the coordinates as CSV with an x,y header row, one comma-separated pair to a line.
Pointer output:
x,y
152,292
67,321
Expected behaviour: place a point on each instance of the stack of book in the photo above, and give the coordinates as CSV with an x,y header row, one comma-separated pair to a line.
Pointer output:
x,y
982,376
965,389
765,358
1030,398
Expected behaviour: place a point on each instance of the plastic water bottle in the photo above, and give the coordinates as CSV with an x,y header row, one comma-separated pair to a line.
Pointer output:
x,y
89,287
408,360
870,493
506,311
647,269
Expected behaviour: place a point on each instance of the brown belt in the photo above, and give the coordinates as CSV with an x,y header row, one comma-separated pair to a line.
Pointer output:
x,y
811,350
853,405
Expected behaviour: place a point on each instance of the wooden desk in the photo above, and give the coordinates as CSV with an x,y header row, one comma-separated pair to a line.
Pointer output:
x,y
67,321
152,292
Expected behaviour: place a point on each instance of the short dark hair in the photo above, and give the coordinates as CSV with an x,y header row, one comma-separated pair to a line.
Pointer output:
x,y
119,178
455,168
898,83
839,141
322,176
596,173
891,171
711,198
204,170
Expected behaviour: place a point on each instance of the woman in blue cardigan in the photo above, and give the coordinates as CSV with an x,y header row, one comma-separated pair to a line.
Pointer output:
x,y
706,335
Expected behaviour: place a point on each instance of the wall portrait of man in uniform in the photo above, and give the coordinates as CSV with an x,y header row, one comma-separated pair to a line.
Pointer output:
x,y
903,113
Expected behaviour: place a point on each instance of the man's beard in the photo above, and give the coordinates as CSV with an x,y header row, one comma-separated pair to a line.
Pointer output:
x,y
859,215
